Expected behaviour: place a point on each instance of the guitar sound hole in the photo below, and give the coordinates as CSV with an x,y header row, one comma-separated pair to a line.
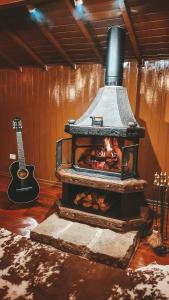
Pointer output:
x,y
22,174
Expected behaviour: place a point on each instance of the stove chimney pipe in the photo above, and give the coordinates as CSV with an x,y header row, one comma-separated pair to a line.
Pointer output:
x,y
115,56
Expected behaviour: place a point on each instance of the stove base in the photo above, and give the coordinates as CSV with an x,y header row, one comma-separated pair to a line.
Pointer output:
x,y
120,225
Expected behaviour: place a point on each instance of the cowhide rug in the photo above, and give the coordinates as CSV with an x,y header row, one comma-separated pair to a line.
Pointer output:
x,y
30,270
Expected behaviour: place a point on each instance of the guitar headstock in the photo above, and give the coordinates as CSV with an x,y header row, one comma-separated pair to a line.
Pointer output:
x,y
17,124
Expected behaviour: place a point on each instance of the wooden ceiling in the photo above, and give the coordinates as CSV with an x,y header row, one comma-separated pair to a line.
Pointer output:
x,y
63,37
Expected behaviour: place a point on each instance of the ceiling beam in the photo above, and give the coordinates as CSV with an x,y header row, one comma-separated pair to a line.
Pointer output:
x,y
10,61
50,37
125,11
28,50
83,28
7,2
10,2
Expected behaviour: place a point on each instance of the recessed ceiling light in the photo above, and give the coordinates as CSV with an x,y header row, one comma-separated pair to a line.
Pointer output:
x,y
78,2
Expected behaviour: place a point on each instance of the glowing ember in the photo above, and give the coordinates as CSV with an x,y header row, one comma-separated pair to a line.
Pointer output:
x,y
103,157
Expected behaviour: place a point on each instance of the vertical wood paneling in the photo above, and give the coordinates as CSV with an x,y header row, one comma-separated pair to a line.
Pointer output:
x,y
130,81
152,111
46,100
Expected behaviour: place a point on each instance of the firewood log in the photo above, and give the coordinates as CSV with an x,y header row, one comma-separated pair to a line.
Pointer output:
x,y
104,207
103,204
79,198
87,204
95,206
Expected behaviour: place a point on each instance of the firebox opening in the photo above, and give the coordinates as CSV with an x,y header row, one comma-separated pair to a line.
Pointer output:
x,y
110,155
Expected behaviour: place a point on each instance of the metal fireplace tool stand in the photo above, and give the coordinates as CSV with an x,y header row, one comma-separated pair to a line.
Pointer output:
x,y
160,207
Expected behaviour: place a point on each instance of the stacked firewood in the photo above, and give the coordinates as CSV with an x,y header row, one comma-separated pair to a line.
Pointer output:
x,y
93,200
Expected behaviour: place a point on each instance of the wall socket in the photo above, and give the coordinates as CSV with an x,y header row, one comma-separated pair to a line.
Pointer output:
x,y
12,156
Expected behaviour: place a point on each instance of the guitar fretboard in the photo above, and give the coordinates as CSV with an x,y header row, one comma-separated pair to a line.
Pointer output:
x,y
21,156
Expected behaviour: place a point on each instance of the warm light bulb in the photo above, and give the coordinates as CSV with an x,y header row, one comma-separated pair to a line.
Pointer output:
x,y
78,2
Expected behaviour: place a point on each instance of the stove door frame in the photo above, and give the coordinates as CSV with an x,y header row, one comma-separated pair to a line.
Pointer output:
x,y
122,175
71,163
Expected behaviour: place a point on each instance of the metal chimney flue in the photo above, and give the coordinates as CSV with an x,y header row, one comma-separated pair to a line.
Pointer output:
x,y
115,56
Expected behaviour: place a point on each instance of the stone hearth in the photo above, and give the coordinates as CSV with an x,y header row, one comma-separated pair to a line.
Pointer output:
x,y
71,176
93,243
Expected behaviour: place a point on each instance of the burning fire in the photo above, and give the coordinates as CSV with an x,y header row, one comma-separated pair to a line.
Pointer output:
x,y
109,154
106,157
107,144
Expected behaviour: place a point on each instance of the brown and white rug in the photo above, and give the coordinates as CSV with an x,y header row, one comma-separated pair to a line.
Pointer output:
x,y
30,270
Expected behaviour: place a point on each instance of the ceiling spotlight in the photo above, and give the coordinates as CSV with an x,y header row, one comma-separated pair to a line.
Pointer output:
x,y
30,8
80,11
78,2
38,16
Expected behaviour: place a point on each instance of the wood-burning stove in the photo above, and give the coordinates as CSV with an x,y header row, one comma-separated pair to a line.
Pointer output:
x,y
98,165
105,155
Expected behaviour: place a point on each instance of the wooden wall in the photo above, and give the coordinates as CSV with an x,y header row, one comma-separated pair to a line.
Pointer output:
x,y
153,114
46,100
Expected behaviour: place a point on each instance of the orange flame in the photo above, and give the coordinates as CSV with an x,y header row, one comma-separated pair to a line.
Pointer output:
x,y
108,144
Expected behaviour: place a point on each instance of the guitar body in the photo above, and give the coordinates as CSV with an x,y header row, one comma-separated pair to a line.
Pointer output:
x,y
23,187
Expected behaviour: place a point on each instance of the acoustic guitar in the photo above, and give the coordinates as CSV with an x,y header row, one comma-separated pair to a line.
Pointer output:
x,y
23,187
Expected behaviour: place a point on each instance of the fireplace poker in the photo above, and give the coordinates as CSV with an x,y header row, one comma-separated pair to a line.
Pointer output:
x,y
166,209
156,199
155,239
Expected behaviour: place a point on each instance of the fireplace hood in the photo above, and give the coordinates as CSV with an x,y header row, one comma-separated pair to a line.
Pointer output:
x,y
110,113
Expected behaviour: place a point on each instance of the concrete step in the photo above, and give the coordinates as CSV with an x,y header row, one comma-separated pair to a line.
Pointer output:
x,y
97,244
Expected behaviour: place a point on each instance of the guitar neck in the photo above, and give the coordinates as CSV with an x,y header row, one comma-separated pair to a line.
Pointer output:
x,y
21,156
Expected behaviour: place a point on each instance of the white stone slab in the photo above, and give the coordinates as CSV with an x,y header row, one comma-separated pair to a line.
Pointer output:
x,y
113,247
101,245
78,236
114,243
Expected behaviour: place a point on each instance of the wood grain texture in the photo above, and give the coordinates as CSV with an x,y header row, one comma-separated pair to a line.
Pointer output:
x,y
152,110
46,100
73,39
